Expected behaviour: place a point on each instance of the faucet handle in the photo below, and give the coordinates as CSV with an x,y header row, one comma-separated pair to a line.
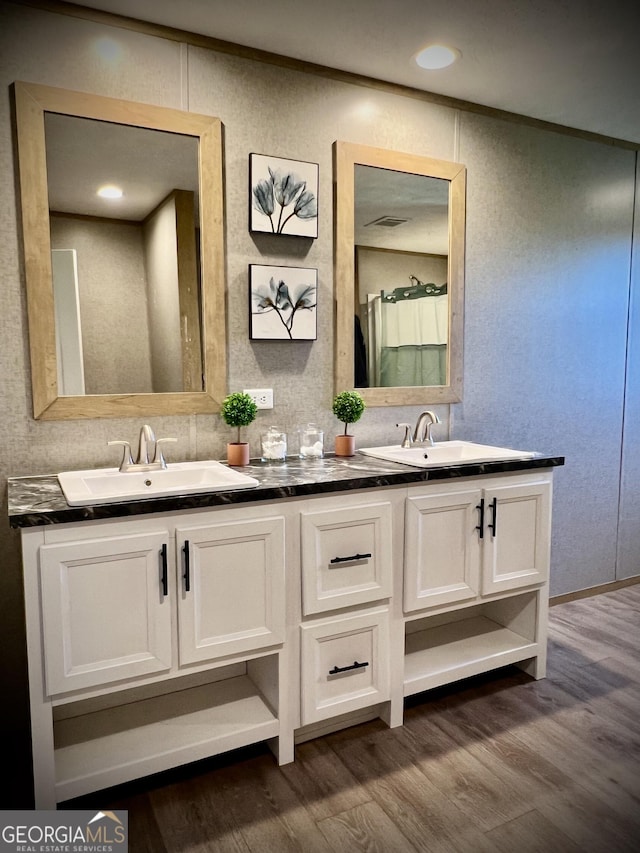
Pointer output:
x,y
127,458
406,441
158,457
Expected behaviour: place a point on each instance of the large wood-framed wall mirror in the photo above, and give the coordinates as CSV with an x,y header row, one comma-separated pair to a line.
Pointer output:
x,y
125,295
399,275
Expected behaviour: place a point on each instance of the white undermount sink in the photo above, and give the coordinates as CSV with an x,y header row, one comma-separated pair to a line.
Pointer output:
x,y
445,453
110,485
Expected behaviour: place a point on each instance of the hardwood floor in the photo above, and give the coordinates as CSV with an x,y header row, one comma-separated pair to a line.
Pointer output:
x,y
498,763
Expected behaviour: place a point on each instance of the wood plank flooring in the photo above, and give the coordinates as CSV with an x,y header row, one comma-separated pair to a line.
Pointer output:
x,y
498,763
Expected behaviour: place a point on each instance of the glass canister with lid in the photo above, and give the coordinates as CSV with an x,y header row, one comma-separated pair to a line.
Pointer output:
x,y
311,442
274,445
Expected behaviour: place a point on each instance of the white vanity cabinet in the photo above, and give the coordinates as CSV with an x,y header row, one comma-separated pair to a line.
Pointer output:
x,y
156,648
347,572
476,578
467,539
161,639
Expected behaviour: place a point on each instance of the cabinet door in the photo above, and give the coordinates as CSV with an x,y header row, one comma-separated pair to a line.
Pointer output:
x,y
516,537
231,590
442,549
346,556
106,614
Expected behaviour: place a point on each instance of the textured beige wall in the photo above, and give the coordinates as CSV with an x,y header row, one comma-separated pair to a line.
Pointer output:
x,y
377,271
548,259
547,280
268,110
113,302
163,309
628,564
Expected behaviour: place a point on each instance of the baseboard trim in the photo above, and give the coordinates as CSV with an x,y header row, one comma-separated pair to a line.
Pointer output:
x,y
593,590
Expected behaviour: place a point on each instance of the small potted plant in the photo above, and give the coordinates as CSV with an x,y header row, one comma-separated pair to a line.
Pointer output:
x,y
348,407
238,410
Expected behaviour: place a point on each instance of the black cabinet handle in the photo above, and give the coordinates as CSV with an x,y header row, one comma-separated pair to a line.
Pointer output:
x,y
354,665
164,579
351,558
480,526
494,516
187,566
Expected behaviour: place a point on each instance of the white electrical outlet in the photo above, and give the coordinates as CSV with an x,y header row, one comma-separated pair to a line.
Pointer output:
x,y
262,397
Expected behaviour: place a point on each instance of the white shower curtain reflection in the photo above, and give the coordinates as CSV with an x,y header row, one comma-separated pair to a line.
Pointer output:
x,y
407,340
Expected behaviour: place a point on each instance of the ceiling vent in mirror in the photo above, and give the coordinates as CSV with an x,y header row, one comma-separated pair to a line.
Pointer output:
x,y
387,222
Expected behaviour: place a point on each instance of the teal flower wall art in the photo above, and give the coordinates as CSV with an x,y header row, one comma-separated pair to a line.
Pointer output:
x,y
284,196
283,302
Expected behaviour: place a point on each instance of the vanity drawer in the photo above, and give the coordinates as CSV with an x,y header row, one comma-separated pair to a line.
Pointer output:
x,y
346,556
345,665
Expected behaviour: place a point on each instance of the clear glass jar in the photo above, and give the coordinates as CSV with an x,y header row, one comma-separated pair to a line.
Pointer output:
x,y
311,442
274,445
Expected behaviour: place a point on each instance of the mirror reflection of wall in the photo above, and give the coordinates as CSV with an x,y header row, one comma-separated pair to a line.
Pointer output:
x,y
66,302
112,302
137,268
401,230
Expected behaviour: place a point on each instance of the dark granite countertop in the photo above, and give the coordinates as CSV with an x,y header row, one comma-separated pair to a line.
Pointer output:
x,y
38,500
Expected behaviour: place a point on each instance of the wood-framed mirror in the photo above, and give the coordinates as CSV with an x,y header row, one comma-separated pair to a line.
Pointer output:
x,y
125,296
399,275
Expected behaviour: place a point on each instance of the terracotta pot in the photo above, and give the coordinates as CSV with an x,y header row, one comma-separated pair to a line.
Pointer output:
x,y
238,453
345,445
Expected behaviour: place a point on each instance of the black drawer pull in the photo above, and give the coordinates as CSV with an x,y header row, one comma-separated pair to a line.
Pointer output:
x,y
480,526
494,519
351,558
187,567
354,665
163,574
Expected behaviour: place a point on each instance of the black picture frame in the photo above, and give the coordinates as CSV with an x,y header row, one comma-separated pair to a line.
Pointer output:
x,y
283,303
283,196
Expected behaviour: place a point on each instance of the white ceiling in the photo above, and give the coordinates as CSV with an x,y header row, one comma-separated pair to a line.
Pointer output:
x,y
572,62
83,154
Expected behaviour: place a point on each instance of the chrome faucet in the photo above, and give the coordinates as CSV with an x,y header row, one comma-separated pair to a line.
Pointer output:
x,y
147,443
409,440
425,438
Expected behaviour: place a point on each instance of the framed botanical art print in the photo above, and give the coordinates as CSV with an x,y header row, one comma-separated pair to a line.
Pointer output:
x,y
282,303
284,196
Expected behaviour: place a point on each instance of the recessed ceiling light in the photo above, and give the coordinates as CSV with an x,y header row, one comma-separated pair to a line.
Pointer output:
x,y
109,191
437,56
